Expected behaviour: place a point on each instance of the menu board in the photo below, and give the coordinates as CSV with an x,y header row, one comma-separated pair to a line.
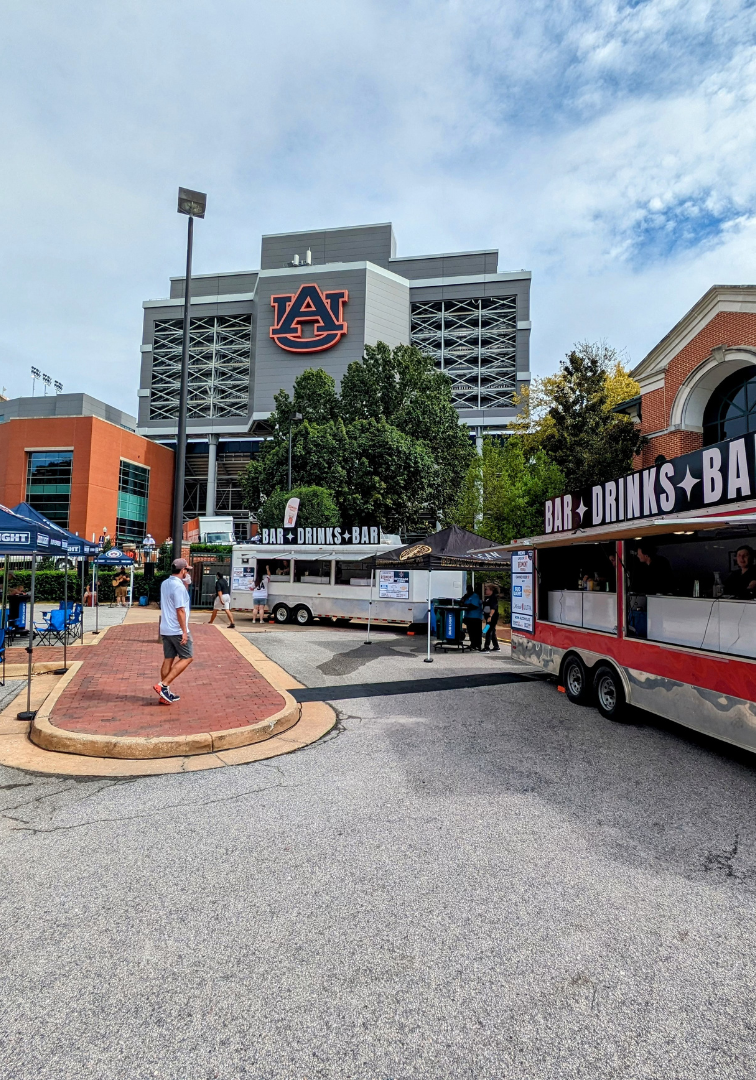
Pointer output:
x,y
523,607
243,579
393,584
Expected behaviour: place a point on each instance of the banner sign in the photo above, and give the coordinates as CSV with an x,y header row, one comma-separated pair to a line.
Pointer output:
x,y
393,584
15,538
523,608
290,515
713,476
358,534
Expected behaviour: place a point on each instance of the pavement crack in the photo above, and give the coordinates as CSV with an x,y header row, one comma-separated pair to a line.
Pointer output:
x,y
197,804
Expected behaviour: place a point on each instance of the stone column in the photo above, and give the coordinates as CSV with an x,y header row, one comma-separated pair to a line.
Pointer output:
x,y
212,472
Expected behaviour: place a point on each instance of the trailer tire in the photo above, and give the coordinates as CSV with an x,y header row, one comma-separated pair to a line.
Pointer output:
x,y
302,615
610,693
281,614
575,680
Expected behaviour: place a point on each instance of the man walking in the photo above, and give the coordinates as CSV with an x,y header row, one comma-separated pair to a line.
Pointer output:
x,y
174,630
222,600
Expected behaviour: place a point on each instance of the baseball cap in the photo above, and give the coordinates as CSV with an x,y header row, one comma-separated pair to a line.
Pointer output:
x,y
180,564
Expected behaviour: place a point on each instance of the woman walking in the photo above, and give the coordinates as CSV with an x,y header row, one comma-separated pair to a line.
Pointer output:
x,y
260,594
491,615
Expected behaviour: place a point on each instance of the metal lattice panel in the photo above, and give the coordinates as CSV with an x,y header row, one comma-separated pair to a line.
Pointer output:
x,y
219,357
474,342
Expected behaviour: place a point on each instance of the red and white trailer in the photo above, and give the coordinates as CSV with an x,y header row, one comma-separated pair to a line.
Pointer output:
x,y
653,611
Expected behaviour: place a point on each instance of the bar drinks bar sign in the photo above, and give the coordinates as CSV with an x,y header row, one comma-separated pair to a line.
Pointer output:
x,y
713,476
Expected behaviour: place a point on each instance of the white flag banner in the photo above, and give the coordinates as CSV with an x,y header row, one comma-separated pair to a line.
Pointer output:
x,y
290,517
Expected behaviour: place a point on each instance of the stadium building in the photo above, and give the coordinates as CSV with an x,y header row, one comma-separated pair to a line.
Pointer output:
x,y
318,298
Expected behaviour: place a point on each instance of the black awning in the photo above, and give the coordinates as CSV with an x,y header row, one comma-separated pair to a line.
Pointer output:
x,y
448,549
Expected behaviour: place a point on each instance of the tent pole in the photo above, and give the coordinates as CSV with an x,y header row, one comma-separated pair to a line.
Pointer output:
x,y
64,669
83,579
131,585
29,715
96,598
5,618
370,603
429,659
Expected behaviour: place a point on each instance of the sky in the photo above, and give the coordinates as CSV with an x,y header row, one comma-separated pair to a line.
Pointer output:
x,y
607,147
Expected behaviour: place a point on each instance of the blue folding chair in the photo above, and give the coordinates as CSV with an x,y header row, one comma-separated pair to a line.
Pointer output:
x,y
53,629
74,625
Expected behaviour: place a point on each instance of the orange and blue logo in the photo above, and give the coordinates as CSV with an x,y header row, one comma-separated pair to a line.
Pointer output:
x,y
310,305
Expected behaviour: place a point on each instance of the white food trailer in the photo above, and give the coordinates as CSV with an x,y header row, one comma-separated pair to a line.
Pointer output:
x,y
331,581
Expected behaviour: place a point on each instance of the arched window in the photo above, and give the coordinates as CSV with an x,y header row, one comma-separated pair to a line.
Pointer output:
x,y
731,409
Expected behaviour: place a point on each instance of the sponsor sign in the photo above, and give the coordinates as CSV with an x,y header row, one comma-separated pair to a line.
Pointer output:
x,y
16,538
713,476
357,534
523,607
393,584
321,310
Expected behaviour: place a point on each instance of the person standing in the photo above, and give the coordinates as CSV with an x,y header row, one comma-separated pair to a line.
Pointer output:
x,y
741,583
260,594
473,618
121,587
174,630
491,613
222,600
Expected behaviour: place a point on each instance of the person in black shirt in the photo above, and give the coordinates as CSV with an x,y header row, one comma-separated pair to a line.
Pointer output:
x,y
741,583
655,573
222,600
491,614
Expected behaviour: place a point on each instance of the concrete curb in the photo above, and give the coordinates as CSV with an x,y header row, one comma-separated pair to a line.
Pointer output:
x,y
46,735
17,752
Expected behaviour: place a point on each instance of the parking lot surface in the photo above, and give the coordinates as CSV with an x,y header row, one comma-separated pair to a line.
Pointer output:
x,y
477,881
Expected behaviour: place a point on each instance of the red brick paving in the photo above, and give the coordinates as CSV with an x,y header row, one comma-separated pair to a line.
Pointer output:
x,y
112,693
46,654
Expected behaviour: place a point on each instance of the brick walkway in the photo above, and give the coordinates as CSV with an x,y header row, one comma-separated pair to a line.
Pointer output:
x,y
112,692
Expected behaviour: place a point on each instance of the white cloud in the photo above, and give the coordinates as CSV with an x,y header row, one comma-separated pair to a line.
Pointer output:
x,y
606,146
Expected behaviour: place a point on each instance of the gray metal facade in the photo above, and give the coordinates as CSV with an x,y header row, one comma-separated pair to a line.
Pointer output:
x,y
457,307
64,405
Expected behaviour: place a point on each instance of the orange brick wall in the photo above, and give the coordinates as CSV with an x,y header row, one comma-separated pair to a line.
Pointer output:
x,y
97,451
727,328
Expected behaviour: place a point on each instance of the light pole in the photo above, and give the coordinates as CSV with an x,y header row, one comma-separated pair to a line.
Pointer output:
x,y
295,416
193,204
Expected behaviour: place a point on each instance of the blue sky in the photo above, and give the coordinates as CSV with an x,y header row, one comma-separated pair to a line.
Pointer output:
x,y
608,147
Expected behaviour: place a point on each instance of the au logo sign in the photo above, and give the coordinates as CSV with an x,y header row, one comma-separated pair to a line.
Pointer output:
x,y
310,305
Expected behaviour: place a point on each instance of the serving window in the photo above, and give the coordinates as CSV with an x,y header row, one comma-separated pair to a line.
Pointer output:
x,y
693,589
577,586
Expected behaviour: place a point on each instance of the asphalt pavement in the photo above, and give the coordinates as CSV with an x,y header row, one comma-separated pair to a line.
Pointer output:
x,y
464,882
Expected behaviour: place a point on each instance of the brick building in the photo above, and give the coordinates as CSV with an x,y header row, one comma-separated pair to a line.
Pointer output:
x,y
81,464
698,385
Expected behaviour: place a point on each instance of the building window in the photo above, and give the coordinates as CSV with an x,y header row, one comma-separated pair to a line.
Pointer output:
x,y
219,357
133,494
48,483
731,410
475,343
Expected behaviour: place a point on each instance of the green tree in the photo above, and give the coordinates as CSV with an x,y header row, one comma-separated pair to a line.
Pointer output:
x,y
390,447
316,507
505,490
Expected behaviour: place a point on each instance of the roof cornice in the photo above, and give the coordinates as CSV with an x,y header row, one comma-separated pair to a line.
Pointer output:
x,y
650,370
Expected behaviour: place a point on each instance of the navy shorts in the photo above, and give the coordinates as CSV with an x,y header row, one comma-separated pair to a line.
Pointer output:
x,y
172,647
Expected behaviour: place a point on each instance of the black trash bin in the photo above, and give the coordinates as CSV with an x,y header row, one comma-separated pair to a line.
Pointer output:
x,y
450,632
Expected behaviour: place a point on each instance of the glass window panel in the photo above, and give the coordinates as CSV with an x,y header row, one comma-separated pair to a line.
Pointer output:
x,y
48,483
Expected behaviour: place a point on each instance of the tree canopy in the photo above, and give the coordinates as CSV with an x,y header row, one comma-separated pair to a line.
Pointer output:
x,y
569,416
389,447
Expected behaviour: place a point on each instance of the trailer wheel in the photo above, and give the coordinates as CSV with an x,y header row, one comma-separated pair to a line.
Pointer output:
x,y
281,613
575,680
302,615
610,694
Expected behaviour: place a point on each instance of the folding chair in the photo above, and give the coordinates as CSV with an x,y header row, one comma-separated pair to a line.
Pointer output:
x,y
53,629
74,623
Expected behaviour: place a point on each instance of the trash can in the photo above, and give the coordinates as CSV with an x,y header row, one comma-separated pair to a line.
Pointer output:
x,y
144,601
449,629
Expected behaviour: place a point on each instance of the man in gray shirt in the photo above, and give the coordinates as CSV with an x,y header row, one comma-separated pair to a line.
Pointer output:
x,y
174,630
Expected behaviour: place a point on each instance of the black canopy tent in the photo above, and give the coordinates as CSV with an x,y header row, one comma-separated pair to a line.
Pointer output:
x,y
20,536
448,549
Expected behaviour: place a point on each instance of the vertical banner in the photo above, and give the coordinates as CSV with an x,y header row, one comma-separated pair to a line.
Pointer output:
x,y
523,595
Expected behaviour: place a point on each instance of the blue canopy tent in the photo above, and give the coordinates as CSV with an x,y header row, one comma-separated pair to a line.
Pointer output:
x,y
114,557
21,536
77,548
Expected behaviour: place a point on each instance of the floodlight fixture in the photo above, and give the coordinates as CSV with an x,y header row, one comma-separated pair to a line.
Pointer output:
x,y
47,382
36,374
58,387
192,203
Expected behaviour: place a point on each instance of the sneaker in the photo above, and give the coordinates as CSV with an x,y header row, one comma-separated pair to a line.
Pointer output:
x,y
165,695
